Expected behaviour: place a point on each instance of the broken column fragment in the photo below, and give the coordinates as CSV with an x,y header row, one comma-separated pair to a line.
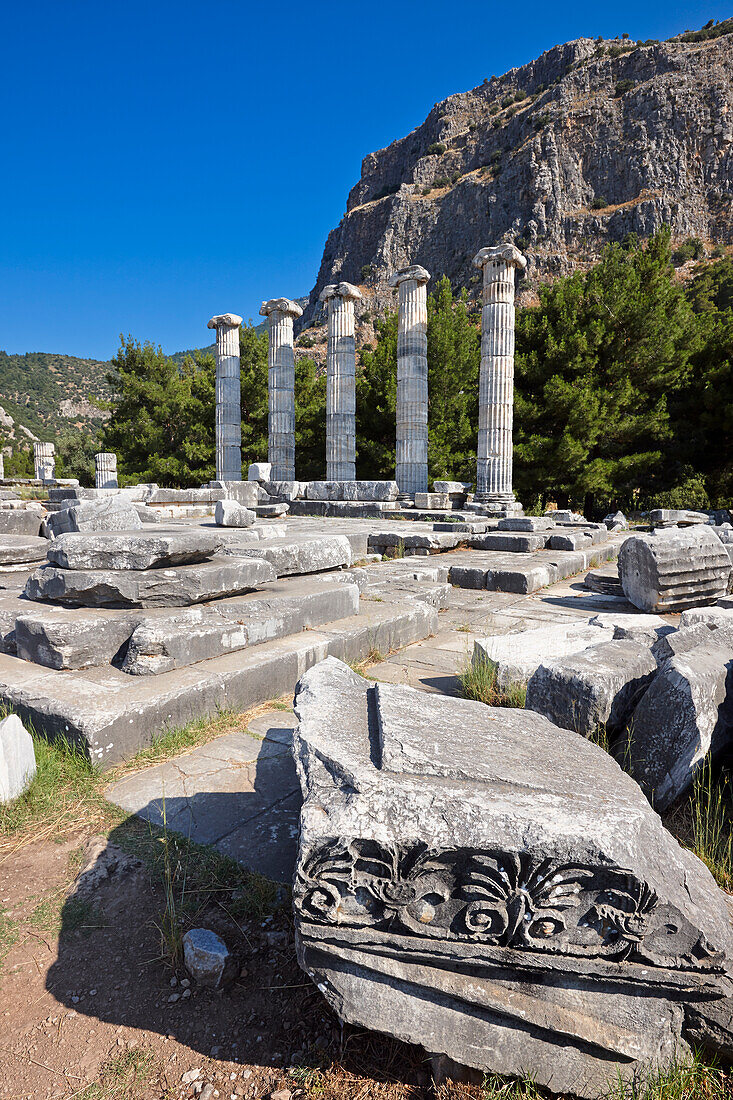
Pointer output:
x,y
674,569
467,883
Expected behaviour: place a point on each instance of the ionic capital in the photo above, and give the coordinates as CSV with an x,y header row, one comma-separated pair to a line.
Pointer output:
x,y
225,320
340,290
415,272
509,253
281,305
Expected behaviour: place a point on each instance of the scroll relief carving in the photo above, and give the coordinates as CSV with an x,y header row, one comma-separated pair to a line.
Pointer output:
x,y
503,899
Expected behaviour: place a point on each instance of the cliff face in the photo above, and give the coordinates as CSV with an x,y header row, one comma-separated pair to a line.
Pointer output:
x,y
588,143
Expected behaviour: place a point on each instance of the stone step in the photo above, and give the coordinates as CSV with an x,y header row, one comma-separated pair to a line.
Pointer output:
x,y
509,573
112,715
62,638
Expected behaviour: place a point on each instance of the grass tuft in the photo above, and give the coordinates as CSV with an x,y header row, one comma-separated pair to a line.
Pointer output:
x,y
712,830
696,1080
478,681
121,1077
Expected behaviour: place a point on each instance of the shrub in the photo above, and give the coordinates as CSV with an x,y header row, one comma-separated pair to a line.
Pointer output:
x,y
599,203
542,120
623,86
366,272
436,149
691,493
495,156
690,249
306,341
507,101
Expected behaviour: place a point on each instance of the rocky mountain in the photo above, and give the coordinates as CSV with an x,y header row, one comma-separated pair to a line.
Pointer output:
x,y
591,141
41,393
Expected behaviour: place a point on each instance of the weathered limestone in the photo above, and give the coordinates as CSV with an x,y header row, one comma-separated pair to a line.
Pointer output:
x,y
44,461
496,381
281,313
229,513
676,517
179,586
686,714
290,558
228,398
352,490
21,521
598,688
411,465
516,657
113,513
259,471
134,551
105,470
18,549
494,889
17,758
207,958
674,569
340,382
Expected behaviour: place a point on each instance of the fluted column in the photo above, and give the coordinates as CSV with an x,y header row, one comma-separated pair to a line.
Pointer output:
x,y
411,466
340,382
281,313
496,380
105,470
228,398
44,460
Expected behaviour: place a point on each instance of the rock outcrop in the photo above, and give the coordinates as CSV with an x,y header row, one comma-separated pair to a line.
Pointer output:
x,y
589,142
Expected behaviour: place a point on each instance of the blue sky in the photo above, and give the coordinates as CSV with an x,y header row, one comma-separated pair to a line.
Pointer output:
x,y
163,162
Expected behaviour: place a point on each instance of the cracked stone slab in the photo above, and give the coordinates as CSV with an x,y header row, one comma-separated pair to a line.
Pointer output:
x,y
479,882
131,551
179,586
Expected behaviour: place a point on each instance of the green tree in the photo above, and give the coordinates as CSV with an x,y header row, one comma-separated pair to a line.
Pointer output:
x,y
75,451
598,362
253,366
454,356
310,420
162,420
376,390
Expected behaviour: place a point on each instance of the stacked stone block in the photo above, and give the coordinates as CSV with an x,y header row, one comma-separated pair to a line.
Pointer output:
x,y
411,467
281,313
340,382
228,398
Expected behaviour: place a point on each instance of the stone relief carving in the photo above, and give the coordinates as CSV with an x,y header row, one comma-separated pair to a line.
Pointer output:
x,y
502,899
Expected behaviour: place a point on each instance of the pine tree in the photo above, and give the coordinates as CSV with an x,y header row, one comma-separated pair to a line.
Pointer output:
x,y
597,363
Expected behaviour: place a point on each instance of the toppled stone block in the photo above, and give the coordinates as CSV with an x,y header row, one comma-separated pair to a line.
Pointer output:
x,y
719,615
112,513
207,495
246,493
566,516
645,629
180,586
674,570
17,758
352,490
457,488
675,642
526,523
516,657
676,517
597,688
228,513
113,551
616,521
259,471
608,584
291,557
285,490
207,958
19,549
57,638
578,540
686,714
21,521
470,880
145,514
271,511
442,501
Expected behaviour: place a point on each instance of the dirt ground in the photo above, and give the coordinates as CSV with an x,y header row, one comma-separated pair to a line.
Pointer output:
x,y
88,1007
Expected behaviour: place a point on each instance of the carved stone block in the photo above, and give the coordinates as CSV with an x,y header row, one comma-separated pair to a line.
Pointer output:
x,y
493,888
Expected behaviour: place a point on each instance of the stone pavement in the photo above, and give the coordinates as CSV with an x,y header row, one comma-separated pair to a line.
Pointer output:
x,y
240,791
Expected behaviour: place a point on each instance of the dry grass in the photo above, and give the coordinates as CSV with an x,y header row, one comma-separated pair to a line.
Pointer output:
x,y
478,681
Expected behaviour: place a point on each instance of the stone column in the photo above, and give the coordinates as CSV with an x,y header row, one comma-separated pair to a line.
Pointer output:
x,y
411,466
228,398
44,460
281,313
496,380
105,470
340,382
